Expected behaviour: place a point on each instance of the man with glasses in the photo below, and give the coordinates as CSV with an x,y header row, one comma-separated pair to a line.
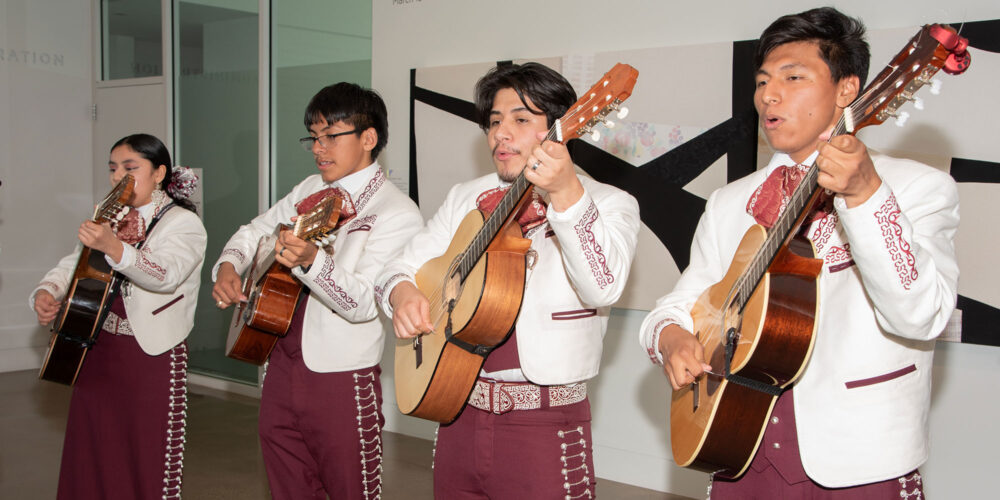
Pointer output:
x,y
320,415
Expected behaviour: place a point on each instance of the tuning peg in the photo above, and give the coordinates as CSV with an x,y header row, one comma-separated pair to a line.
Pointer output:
x,y
901,118
935,86
595,135
609,124
918,103
622,113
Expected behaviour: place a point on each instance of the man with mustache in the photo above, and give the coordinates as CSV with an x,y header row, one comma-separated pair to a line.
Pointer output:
x,y
583,237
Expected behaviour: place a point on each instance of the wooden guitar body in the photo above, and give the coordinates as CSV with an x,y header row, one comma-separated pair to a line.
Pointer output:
x,y
272,292
79,320
265,317
475,288
768,297
776,332
434,376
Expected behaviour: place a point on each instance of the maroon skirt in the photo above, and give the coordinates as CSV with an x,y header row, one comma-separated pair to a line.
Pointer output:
x,y
125,432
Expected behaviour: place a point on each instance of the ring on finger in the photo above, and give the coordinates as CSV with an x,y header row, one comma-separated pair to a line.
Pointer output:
x,y
220,304
534,166
282,252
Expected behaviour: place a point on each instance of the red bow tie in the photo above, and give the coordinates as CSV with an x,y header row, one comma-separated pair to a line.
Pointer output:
x,y
533,214
769,200
347,211
131,228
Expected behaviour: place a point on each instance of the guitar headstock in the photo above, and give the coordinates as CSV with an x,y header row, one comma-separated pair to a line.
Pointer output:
x,y
320,221
596,104
934,47
115,201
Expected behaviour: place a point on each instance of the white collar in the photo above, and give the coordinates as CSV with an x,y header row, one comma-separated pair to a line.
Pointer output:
x,y
782,159
357,181
146,211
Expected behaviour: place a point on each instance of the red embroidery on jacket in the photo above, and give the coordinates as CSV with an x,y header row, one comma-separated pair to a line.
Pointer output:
x,y
389,285
825,228
654,346
839,258
899,249
235,253
373,186
51,286
574,314
591,249
363,224
325,281
149,267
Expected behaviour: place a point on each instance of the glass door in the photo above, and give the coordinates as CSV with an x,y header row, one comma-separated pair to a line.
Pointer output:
x,y
216,105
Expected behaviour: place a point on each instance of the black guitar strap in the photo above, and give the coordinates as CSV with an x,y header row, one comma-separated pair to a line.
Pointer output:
x,y
749,383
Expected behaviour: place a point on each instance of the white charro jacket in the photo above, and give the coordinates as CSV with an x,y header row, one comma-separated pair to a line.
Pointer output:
x,y
341,329
164,277
887,290
583,259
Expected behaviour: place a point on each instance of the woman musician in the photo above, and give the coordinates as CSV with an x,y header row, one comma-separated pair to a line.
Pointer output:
x,y
125,431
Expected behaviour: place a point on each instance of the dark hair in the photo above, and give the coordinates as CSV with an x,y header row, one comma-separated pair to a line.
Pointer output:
x,y
354,105
546,88
841,40
152,149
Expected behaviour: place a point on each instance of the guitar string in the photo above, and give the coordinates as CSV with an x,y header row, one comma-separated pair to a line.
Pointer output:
x,y
744,287
476,247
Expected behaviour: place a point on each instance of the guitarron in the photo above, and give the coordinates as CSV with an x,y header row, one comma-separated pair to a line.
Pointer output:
x,y
88,299
758,323
271,290
475,288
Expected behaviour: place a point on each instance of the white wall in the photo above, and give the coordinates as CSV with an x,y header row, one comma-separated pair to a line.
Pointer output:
x,y
629,396
45,156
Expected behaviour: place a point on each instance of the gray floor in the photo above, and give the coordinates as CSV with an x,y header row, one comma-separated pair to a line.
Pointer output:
x,y
221,459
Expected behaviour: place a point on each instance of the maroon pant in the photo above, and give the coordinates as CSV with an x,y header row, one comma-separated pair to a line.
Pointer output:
x,y
543,453
320,433
776,472
125,433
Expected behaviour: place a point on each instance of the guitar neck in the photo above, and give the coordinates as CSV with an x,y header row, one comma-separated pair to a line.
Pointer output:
x,y
507,208
799,206
504,210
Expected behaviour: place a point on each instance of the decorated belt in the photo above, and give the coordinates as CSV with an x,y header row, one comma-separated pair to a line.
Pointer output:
x,y
502,397
117,325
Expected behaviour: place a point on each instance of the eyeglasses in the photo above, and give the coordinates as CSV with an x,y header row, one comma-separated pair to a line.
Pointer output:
x,y
325,141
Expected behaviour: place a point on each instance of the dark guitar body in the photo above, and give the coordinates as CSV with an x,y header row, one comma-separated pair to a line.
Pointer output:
x,y
79,321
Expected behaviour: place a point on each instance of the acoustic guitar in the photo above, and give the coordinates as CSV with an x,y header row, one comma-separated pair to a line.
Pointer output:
x,y
475,288
271,290
758,325
86,304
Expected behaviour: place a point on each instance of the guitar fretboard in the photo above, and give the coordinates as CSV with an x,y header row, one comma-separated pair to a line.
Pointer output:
x,y
782,230
495,221
890,89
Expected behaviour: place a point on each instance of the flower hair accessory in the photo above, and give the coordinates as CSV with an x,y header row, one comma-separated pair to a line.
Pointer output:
x,y
183,182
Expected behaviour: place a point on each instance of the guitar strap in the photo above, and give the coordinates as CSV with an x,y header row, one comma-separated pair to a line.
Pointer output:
x,y
118,279
747,382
